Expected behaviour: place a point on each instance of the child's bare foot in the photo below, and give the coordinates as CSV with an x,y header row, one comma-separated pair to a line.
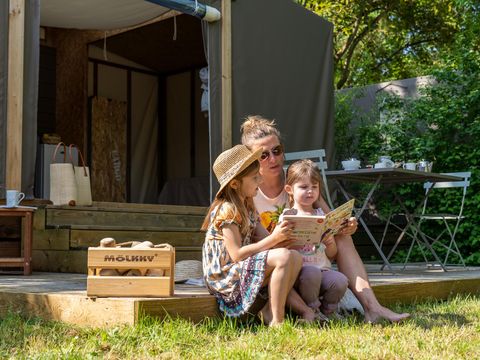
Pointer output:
x,y
315,306
308,316
382,313
266,314
321,317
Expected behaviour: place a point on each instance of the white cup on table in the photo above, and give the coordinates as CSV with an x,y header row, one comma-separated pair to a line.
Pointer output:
x,y
410,166
14,197
384,162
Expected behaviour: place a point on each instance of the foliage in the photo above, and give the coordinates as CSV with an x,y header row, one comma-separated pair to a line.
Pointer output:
x,y
379,40
345,116
447,329
442,125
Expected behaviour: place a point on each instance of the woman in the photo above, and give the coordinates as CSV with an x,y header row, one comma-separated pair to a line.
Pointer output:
x,y
271,199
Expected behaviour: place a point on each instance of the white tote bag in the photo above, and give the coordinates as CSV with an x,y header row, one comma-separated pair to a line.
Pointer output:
x,y
82,179
63,187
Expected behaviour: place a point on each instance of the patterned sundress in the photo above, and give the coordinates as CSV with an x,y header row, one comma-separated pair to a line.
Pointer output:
x,y
235,285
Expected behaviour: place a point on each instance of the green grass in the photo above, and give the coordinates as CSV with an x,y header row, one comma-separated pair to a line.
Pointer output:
x,y
437,330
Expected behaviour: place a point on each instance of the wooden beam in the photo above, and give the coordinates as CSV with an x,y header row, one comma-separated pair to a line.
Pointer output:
x,y
226,74
16,41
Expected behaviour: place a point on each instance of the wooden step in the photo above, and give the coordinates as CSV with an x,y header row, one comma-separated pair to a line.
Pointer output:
x,y
61,218
11,262
114,218
84,238
63,233
131,207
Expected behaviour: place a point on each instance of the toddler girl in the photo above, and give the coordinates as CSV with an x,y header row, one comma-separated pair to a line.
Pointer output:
x,y
303,185
236,269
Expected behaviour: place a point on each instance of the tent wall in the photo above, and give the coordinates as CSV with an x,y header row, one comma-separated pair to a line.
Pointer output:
x,y
30,93
186,127
282,68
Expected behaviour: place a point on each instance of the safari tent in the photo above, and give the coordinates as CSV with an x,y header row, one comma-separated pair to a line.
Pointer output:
x,y
121,79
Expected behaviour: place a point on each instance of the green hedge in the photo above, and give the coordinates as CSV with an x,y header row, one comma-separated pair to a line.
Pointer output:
x,y
442,125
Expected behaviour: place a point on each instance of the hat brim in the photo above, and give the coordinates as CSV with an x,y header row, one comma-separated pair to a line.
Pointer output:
x,y
249,160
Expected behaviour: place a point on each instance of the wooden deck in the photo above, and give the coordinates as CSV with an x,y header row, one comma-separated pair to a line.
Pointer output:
x,y
62,296
61,236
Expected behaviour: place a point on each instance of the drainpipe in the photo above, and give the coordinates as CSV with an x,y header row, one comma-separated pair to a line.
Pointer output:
x,y
191,7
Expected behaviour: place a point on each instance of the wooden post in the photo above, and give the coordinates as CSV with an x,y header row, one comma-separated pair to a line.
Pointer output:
x,y
16,41
226,74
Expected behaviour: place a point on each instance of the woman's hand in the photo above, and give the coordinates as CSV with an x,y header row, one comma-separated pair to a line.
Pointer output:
x,y
350,227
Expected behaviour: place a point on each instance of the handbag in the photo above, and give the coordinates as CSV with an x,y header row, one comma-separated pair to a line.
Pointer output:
x,y
63,187
82,179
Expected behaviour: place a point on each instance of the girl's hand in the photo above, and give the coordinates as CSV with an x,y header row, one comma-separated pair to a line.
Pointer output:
x,y
350,227
329,240
282,231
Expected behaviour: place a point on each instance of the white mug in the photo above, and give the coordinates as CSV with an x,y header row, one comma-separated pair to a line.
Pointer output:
x,y
14,197
410,166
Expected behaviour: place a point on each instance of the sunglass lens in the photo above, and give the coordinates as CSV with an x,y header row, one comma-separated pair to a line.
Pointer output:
x,y
264,155
277,150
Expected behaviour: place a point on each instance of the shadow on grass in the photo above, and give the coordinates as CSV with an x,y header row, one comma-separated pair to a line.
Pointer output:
x,y
429,321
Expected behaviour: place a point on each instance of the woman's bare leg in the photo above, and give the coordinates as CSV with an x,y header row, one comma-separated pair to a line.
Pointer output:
x,y
283,265
350,264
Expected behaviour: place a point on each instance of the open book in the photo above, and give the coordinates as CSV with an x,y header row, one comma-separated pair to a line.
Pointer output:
x,y
312,229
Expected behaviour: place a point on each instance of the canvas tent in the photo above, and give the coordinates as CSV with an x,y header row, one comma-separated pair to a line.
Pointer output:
x,y
281,68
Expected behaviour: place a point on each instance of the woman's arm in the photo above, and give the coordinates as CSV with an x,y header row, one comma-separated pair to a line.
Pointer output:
x,y
233,240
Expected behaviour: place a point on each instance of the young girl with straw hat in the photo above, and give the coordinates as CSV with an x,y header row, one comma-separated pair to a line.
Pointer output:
x,y
237,270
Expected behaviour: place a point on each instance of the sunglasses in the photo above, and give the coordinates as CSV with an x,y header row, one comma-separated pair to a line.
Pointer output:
x,y
276,151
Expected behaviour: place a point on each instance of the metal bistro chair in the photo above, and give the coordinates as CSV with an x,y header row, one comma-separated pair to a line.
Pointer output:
x,y
318,157
450,221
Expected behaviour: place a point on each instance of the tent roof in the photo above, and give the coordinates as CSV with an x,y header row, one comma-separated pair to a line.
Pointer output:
x,y
155,47
97,14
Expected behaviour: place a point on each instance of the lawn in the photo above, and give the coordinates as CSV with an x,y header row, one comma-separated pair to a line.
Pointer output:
x,y
437,330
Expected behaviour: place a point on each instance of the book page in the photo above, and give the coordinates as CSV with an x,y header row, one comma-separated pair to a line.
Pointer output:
x,y
311,229
308,229
338,218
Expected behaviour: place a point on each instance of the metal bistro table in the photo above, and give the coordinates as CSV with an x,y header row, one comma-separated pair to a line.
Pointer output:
x,y
387,176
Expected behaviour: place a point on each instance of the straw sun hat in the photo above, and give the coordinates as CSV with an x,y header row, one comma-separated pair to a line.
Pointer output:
x,y
232,162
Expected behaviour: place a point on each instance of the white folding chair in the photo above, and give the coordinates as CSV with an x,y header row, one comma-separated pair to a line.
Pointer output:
x,y
450,221
318,157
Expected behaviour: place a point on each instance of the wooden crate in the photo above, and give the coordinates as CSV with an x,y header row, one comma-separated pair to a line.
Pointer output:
x,y
130,258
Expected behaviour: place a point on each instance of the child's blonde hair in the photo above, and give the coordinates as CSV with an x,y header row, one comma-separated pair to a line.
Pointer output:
x,y
237,209
257,127
303,169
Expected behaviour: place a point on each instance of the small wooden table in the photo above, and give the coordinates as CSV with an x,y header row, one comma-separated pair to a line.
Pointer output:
x,y
25,261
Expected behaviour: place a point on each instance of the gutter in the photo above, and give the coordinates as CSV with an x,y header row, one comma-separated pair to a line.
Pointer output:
x,y
191,7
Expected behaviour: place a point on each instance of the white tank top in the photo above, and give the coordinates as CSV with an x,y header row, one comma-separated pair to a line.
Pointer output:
x,y
270,208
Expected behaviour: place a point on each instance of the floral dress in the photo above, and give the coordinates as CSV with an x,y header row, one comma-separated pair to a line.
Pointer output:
x,y
236,285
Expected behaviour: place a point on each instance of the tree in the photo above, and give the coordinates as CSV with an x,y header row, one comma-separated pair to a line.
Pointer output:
x,y
442,124
380,40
